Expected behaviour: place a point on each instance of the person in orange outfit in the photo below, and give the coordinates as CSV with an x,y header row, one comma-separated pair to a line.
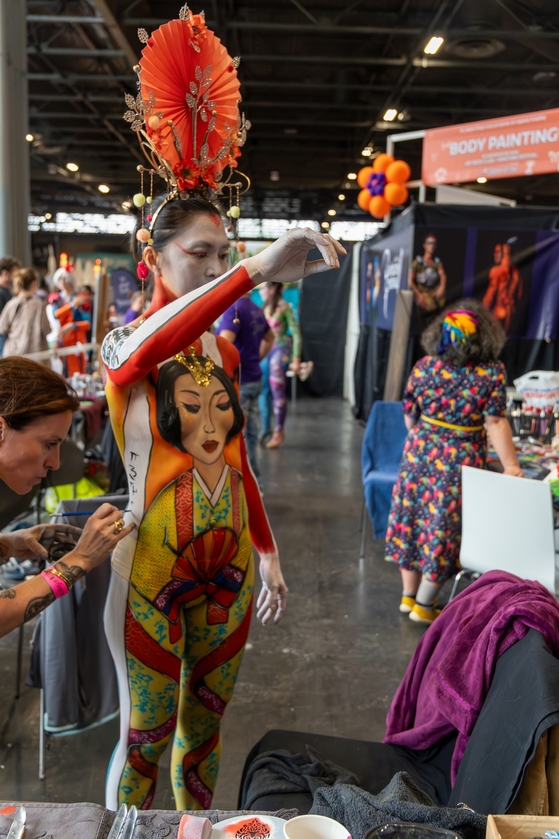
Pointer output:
x,y
504,290
74,329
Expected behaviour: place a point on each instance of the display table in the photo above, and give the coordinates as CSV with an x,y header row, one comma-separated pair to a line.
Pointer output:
x,y
92,821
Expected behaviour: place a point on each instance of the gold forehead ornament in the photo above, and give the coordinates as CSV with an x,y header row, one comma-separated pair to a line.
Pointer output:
x,y
201,373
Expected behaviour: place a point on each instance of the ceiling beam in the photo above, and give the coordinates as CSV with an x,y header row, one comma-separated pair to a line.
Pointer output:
x,y
115,31
475,65
61,78
327,29
75,51
365,106
330,61
64,19
46,116
329,86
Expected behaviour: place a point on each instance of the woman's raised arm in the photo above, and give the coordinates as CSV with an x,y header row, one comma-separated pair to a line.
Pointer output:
x,y
129,354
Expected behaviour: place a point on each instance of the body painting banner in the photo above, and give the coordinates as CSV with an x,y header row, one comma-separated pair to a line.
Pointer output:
x,y
506,147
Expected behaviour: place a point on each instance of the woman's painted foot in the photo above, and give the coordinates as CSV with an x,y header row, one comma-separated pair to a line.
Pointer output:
x,y
424,614
277,439
407,603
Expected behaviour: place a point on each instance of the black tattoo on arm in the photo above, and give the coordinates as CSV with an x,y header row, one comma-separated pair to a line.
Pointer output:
x,y
4,553
36,605
8,593
73,572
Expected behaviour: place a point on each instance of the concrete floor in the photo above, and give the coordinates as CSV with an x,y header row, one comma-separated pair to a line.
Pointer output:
x,y
330,667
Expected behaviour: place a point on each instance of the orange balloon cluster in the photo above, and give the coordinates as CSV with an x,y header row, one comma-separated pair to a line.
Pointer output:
x,y
382,185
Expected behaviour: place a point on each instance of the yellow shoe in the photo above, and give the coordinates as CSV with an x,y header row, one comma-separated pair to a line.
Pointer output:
x,y
407,603
420,614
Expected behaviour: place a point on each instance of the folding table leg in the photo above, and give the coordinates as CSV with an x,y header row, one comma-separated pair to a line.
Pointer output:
x,y
19,660
363,534
41,735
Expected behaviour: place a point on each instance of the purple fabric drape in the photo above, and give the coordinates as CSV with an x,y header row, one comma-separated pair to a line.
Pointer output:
x,y
450,674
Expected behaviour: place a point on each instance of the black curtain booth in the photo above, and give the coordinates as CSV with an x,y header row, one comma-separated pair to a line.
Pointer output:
x,y
323,319
507,257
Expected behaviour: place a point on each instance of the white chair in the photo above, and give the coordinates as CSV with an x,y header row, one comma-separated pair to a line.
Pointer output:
x,y
507,525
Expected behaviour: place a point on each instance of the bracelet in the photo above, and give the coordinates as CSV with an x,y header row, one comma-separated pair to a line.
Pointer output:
x,y
58,586
67,580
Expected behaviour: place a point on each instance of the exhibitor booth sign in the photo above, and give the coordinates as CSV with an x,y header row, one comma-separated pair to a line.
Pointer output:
x,y
506,147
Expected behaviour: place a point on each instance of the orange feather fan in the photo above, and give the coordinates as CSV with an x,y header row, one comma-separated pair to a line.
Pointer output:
x,y
187,112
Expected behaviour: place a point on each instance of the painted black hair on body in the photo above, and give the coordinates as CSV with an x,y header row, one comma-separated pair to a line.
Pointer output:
x,y
167,413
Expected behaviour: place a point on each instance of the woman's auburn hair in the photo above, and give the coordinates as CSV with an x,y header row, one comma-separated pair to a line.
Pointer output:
x,y
29,390
484,346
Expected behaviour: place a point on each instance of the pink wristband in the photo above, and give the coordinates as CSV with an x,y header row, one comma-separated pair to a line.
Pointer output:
x,y
58,586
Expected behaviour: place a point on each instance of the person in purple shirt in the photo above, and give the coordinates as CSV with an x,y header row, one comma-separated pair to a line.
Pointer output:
x,y
135,309
246,327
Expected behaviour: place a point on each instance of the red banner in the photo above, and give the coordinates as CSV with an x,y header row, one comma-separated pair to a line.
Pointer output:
x,y
505,147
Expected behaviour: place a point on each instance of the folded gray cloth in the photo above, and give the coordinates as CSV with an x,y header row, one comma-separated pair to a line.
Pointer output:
x,y
400,801
92,821
273,773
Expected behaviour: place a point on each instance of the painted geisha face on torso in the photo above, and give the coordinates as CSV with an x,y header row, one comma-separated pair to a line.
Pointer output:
x,y
206,418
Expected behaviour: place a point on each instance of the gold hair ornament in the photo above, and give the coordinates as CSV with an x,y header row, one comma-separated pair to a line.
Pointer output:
x,y
201,373
189,128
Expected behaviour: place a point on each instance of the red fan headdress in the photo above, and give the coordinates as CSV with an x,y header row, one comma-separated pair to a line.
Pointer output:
x,y
186,113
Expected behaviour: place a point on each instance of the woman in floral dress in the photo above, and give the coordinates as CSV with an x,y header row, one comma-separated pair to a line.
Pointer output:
x,y
454,396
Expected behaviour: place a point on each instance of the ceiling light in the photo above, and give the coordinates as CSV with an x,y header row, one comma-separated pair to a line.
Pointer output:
x,y
290,130
352,176
435,43
482,180
29,137
390,114
341,197
325,225
72,167
331,212
126,205
274,175
48,216
104,188
367,151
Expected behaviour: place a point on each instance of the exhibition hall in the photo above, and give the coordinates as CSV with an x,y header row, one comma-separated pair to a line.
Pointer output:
x,y
279,419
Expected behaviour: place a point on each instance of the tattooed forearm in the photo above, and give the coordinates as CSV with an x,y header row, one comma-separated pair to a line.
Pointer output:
x,y
72,572
36,605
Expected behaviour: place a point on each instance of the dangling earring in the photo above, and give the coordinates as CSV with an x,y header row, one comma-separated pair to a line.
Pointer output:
x,y
236,318
144,234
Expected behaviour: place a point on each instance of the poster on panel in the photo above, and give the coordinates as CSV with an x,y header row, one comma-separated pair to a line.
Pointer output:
x,y
384,270
514,272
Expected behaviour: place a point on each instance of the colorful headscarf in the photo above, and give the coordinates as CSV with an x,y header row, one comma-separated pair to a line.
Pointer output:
x,y
458,327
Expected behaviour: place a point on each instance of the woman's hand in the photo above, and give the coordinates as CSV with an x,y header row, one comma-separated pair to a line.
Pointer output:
x,y
272,599
515,471
101,534
66,329
500,434
296,365
285,261
34,542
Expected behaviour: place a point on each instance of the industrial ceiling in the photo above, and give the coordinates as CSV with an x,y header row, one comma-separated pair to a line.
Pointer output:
x,y
317,78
